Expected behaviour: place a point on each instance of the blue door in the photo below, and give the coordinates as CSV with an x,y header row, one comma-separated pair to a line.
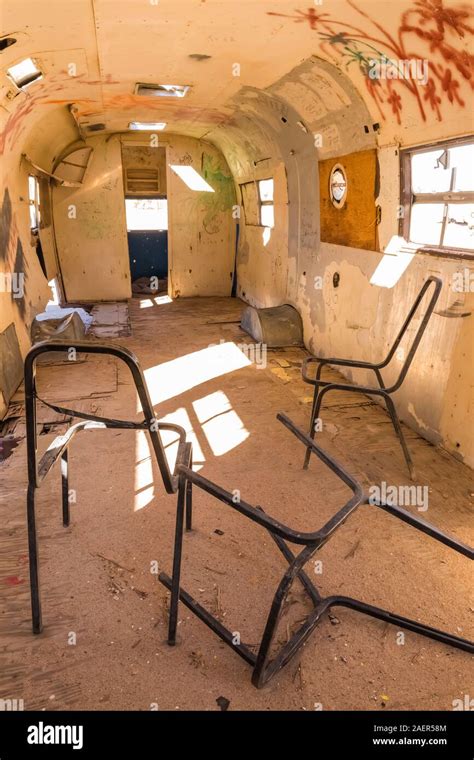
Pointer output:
x,y
147,230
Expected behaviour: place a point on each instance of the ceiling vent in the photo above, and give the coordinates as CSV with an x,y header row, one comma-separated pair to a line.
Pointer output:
x,y
161,90
140,181
6,42
24,73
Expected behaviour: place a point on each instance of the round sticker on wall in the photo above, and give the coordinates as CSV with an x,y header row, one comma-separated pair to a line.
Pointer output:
x,y
338,185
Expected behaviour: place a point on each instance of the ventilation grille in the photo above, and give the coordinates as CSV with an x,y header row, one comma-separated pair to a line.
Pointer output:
x,y
142,181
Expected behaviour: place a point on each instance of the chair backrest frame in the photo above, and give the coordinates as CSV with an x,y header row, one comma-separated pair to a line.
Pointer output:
x,y
170,481
438,283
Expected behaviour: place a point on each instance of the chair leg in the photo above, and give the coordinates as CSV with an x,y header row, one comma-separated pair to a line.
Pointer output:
x,y
178,547
259,675
314,416
398,429
65,488
402,622
34,562
189,505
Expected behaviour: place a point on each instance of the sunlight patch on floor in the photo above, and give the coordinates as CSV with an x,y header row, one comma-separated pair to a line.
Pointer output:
x,y
177,376
220,423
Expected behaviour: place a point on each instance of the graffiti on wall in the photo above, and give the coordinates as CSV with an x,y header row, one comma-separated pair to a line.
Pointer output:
x,y
427,32
223,197
12,258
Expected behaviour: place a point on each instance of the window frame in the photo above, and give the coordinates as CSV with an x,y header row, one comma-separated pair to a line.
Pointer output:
x,y
408,198
265,203
245,207
139,198
35,202
260,203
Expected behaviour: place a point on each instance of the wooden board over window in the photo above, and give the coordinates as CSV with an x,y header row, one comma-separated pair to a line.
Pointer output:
x,y
354,224
250,202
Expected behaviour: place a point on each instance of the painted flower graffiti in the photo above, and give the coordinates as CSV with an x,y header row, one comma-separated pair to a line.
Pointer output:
x,y
428,28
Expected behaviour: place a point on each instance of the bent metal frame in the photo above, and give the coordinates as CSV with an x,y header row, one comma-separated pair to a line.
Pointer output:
x,y
58,449
263,667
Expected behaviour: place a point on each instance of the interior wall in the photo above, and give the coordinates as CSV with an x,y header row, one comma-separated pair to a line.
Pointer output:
x,y
361,320
93,248
262,260
90,228
18,264
201,225
358,319
312,111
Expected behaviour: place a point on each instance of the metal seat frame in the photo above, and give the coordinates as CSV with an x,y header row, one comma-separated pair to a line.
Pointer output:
x,y
322,387
58,449
265,668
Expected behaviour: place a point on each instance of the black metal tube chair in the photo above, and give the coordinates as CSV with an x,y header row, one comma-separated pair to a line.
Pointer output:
x,y
264,668
322,387
58,449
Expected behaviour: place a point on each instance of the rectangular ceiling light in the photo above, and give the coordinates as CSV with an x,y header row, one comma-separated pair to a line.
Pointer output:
x,y
161,90
147,126
191,178
24,73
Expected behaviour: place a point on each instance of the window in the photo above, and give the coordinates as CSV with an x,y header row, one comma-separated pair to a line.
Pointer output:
x,y
438,196
265,195
191,178
146,213
338,186
34,201
257,200
24,73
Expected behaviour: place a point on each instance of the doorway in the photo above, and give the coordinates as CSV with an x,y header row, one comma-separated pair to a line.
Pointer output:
x,y
147,232
146,213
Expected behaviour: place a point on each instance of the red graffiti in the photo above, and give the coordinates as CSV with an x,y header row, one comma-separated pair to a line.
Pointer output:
x,y
439,28
301,16
13,580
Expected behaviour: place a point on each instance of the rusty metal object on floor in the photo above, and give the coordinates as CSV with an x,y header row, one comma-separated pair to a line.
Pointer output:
x,y
276,326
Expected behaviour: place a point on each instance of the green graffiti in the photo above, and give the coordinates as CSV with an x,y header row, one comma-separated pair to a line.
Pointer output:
x,y
223,197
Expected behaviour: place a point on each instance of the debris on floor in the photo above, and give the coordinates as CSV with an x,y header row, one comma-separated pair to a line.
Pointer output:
x,y
7,444
148,286
71,326
276,327
110,320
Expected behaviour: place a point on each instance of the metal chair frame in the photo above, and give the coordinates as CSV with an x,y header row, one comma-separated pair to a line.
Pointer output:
x,y
322,387
263,667
58,449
